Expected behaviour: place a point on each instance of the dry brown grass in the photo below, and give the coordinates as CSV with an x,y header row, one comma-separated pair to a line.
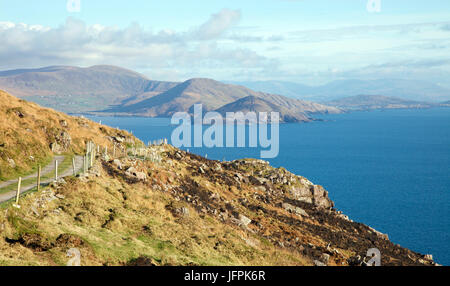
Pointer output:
x,y
119,222
27,130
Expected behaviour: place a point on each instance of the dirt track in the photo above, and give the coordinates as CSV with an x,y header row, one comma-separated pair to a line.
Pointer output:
x,y
46,170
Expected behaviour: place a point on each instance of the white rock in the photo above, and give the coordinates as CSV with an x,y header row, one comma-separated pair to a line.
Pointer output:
x,y
244,220
428,256
141,176
11,163
118,164
318,263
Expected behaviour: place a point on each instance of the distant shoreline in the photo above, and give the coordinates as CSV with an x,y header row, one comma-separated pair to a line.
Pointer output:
x,y
345,111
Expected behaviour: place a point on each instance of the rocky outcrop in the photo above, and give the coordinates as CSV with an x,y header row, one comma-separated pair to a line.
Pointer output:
x,y
294,209
320,197
11,163
260,173
62,143
132,172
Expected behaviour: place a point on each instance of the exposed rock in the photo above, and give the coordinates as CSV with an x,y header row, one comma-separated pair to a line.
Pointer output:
x,y
251,242
131,171
64,140
178,209
421,261
62,143
294,209
260,188
55,148
325,258
319,263
320,197
141,176
60,196
343,216
379,234
218,168
428,257
304,181
300,192
119,139
244,220
257,181
305,200
118,164
11,163
63,123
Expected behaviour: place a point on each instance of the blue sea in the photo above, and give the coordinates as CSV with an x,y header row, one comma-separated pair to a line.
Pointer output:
x,y
387,169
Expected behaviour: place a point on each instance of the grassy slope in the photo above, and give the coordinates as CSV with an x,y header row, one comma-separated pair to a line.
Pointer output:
x,y
27,129
120,221
113,219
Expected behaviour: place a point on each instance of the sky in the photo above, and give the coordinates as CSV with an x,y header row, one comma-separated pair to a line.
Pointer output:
x,y
304,41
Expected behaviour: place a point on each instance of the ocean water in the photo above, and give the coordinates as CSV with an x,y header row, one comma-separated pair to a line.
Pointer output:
x,y
387,169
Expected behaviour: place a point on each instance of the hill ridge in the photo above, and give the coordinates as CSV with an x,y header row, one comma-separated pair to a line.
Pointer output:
x,y
105,89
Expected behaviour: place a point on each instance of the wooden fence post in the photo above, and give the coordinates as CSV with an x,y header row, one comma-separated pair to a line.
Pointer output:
x,y
18,191
56,170
39,178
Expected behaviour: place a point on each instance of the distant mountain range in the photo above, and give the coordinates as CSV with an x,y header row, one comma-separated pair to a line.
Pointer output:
x,y
74,89
405,89
370,102
117,91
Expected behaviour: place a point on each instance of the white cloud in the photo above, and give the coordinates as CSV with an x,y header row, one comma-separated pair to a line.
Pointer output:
x,y
221,49
76,43
218,24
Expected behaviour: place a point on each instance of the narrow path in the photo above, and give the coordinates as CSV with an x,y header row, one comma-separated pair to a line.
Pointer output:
x,y
49,168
